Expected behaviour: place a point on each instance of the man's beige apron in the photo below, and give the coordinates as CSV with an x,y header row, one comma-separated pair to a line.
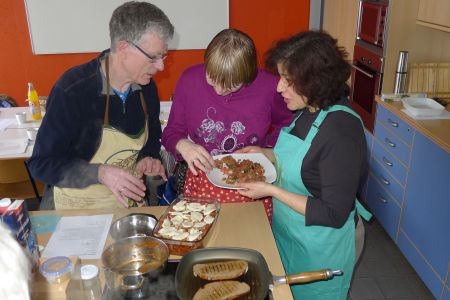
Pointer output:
x,y
116,148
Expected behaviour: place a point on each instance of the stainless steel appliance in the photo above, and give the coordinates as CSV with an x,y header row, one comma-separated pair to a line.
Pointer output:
x,y
401,73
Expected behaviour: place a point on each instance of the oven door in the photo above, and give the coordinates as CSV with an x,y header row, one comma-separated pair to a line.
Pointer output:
x,y
371,22
365,85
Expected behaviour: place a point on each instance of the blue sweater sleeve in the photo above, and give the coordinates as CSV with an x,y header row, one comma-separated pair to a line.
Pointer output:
x,y
51,161
153,145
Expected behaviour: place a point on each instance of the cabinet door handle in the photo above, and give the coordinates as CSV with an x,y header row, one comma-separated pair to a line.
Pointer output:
x,y
385,181
389,142
382,200
387,162
393,123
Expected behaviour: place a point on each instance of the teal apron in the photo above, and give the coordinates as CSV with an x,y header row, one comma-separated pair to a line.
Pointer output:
x,y
310,248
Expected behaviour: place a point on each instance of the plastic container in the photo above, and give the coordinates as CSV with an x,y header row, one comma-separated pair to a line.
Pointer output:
x,y
423,107
57,269
184,245
33,102
91,282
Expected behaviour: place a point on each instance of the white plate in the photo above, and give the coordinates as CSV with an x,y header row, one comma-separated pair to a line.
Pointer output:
x,y
216,176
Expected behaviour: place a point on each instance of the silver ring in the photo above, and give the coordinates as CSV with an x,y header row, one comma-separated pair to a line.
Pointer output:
x,y
121,190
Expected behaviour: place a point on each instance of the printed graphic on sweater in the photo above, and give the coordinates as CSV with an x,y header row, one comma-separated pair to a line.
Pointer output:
x,y
223,137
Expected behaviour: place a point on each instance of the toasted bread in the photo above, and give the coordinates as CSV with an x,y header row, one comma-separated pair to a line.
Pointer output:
x,y
222,270
222,290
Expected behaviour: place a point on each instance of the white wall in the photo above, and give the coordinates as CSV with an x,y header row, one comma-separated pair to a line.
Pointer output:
x,y
79,26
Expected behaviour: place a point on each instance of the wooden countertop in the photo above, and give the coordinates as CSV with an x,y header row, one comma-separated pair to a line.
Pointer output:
x,y
436,130
239,225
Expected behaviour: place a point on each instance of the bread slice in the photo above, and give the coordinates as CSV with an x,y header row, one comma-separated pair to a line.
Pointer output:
x,y
222,290
222,270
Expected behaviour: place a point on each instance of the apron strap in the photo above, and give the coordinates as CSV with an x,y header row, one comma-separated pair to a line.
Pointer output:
x,y
362,211
106,117
143,104
108,87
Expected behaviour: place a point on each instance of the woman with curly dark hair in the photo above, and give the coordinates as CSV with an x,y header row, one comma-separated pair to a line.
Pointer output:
x,y
320,160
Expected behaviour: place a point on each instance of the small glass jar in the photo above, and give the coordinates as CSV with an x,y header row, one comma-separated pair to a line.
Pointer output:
x,y
91,282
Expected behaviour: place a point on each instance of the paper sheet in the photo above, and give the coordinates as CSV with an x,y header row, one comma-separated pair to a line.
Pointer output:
x,y
5,123
27,124
13,146
82,236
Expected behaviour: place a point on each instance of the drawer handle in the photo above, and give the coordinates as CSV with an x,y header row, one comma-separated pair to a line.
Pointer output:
x,y
385,181
393,123
382,200
387,162
389,142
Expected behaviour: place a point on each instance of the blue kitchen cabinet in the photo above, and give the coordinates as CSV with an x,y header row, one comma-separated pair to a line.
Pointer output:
x,y
447,293
408,191
389,166
383,206
425,224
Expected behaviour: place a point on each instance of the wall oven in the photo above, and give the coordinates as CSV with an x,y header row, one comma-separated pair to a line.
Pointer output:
x,y
367,73
366,82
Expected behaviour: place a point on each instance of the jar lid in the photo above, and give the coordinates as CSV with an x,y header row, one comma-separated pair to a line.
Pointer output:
x,y
5,202
56,267
88,272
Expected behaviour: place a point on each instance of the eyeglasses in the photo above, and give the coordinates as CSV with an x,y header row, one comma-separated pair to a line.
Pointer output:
x,y
153,58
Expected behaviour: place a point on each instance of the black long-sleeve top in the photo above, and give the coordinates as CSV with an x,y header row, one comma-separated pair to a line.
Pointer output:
x,y
333,166
70,132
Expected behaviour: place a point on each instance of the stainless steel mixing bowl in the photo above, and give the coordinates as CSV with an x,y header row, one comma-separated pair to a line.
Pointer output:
x,y
133,225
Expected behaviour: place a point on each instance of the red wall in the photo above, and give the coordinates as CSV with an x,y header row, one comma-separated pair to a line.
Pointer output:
x,y
264,20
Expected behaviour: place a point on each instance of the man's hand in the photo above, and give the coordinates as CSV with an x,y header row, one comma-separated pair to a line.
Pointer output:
x,y
195,155
150,167
121,183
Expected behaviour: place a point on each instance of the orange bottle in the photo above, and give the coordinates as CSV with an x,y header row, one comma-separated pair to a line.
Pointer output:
x,y
33,102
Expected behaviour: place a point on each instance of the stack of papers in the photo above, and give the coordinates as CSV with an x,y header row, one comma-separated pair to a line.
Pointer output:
x,y
13,146
5,123
27,124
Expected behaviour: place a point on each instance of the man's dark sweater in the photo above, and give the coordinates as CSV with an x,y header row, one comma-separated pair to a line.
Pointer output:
x,y
71,130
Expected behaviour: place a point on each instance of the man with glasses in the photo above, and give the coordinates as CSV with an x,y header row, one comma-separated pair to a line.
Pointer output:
x,y
101,131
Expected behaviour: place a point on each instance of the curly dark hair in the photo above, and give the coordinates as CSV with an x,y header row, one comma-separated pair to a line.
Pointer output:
x,y
315,65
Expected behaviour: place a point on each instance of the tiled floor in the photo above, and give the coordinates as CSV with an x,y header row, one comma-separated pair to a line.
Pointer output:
x,y
383,272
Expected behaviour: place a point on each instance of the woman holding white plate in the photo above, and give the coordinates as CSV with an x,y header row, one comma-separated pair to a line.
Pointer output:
x,y
320,159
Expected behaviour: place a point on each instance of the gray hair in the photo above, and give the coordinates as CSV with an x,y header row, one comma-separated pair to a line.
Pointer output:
x,y
131,20
15,268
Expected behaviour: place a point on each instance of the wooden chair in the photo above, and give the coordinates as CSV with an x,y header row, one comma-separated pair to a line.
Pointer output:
x,y
16,181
